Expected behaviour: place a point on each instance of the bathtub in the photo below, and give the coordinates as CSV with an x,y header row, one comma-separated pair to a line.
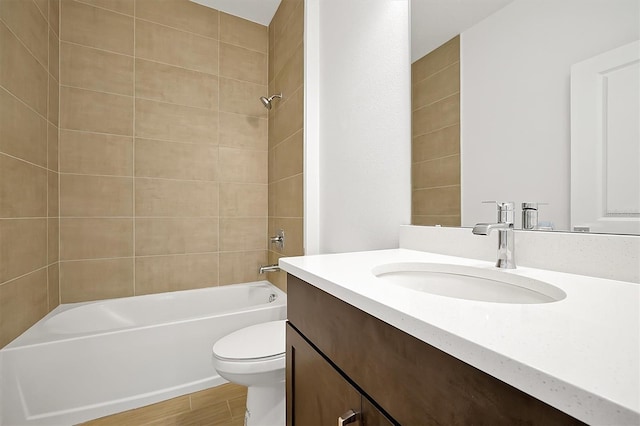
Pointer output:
x,y
87,360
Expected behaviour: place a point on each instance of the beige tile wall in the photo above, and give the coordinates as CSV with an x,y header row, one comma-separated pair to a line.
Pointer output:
x,y
28,163
286,74
163,148
435,163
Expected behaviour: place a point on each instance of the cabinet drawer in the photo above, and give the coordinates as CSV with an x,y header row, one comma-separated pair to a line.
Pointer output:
x,y
414,382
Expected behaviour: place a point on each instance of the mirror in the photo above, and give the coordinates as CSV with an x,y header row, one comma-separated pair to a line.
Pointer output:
x,y
515,113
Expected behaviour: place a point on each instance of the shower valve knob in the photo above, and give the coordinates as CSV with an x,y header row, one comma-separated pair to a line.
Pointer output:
x,y
278,240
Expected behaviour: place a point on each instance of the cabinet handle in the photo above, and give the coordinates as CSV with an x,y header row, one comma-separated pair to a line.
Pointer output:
x,y
348,417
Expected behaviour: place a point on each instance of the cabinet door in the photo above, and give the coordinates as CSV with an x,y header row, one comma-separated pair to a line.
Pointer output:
x,y
316,393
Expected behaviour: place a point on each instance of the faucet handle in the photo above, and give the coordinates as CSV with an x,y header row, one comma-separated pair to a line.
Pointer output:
x,y
503,205
505,210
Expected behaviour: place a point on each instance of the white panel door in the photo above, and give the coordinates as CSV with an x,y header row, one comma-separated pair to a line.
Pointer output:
x,y
605,142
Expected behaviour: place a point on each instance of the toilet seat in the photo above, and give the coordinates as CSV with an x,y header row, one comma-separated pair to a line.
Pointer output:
x,y
256,343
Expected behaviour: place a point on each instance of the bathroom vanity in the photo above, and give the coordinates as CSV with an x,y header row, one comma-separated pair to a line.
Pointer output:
x,y
400,356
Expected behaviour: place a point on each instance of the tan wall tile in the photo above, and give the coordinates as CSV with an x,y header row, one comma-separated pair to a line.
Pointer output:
x,y
289,197
440,85
436,201
243,64
85,280
162,44
181,14
271,59
176,236
157,274
241,267
282,16
155,120
293,232
23,133
176,160
52,147
453,221
53,101
54,55
279,279
445,55
272,199
23,246
243,200
175,198
243,166
288,157
20,72
53,240
53,199
53,286
243,131
122,6
439,172
243,234
54,15
292,35
167,83
95,153
244,33
22,303
95,238
95,111
443,113
25,19
23,189
96,27
440,143
95,196
242,97
88,68
289,116
291,76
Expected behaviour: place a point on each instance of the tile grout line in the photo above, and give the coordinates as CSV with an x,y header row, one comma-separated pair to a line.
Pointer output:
x,y
133,151
218,149
457,154
58,132
33,55
436,72
48,147
457,92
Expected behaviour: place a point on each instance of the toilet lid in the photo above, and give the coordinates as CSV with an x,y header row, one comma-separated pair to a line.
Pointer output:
x,y
262,340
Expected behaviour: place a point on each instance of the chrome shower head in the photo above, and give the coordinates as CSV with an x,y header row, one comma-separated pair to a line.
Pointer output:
x,y
267,101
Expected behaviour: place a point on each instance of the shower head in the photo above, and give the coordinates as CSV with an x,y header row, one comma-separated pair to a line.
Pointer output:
x,y
267,101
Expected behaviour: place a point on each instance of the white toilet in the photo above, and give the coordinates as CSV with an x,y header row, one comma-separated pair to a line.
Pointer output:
x,y
255,357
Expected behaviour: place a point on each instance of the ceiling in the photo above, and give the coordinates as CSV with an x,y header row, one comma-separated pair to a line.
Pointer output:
x,y
433,22
260,11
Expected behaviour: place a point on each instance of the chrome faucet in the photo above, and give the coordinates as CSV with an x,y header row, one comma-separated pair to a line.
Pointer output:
x,y
506,244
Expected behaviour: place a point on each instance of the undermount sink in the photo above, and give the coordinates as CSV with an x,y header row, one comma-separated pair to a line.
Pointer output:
x,y
468,282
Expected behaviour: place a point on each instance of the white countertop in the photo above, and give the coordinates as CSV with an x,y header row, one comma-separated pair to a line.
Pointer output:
x,y
580,355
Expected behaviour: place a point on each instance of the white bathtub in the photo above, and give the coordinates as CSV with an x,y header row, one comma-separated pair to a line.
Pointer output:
x,y
88,360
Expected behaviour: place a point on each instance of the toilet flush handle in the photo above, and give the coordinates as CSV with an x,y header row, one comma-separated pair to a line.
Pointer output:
x,y
348,417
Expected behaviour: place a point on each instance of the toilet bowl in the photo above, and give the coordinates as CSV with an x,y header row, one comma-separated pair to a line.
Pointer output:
x,y
255,357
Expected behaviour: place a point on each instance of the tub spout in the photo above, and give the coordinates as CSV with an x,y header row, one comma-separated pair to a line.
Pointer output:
x,y
269,268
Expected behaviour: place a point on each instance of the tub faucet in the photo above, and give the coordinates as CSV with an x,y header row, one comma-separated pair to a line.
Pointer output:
x,y
269,268
506,243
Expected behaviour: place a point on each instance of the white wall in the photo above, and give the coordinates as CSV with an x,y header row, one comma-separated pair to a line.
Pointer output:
x,y
515,98
362,107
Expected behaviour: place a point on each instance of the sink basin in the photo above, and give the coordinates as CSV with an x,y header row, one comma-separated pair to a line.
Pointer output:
x,y
468,282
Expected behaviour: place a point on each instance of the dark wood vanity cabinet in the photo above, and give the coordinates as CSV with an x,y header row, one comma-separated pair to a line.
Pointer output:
x,y
317,394
341,358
